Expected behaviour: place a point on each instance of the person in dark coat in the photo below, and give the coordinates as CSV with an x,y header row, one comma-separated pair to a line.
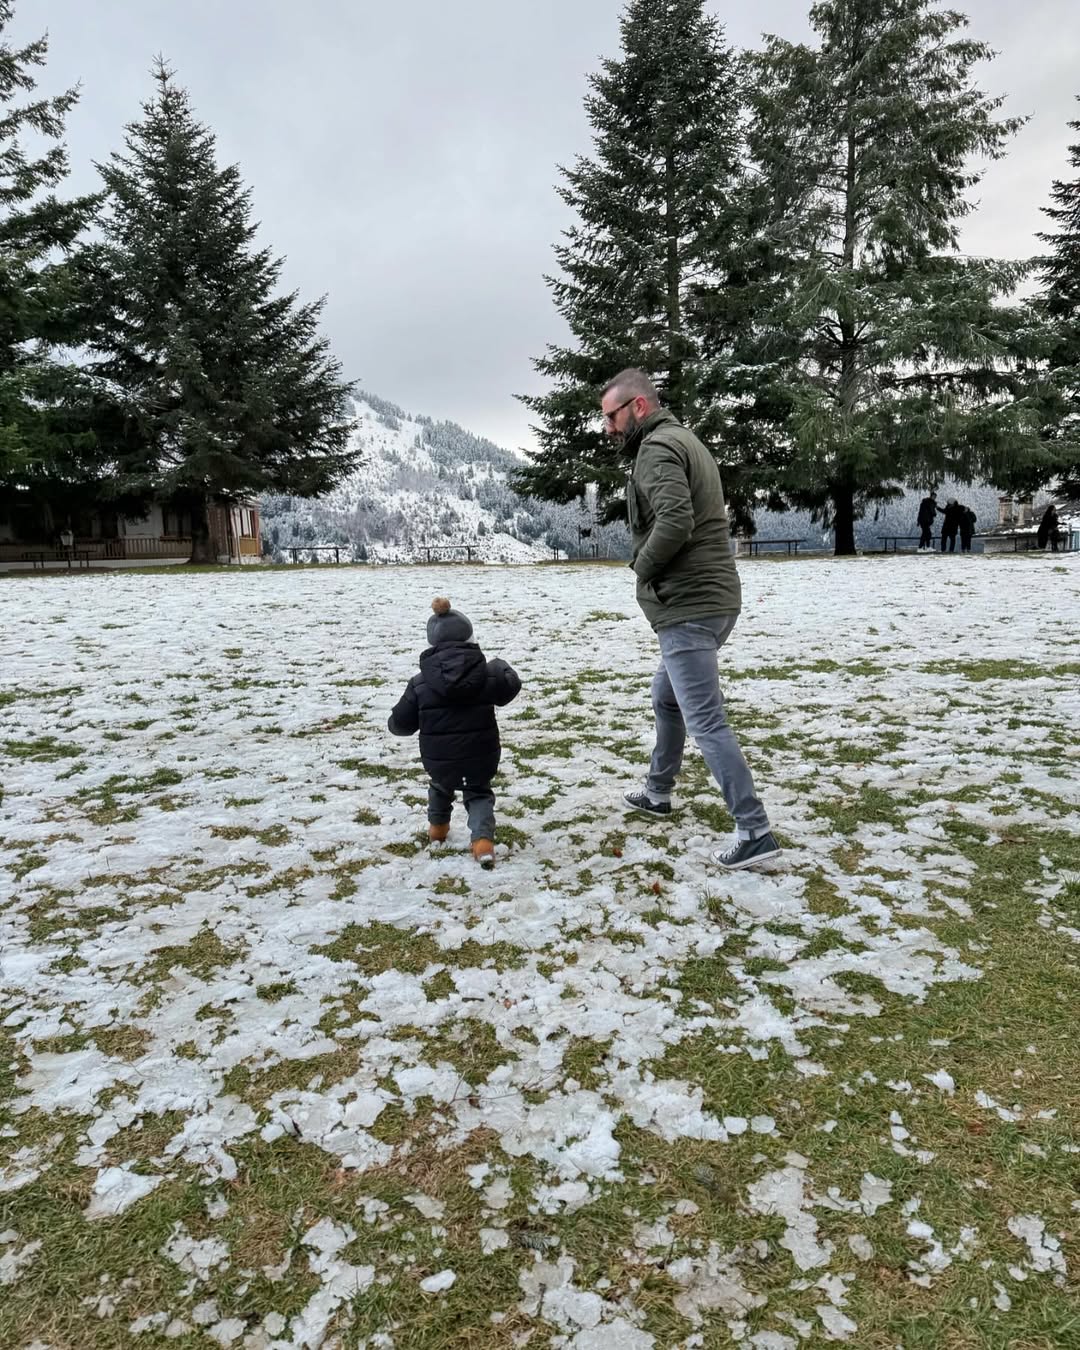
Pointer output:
x,y
950,525
967,528
452,702
928,510
1048,529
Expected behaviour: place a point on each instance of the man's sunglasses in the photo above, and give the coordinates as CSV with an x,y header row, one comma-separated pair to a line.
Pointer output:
x,y
610,416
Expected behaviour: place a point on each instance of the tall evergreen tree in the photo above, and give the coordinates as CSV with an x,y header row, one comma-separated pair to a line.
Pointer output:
x,y
656,206
1061,298
222,385
884,356
47,458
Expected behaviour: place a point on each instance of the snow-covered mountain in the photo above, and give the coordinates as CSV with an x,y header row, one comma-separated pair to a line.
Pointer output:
x,y
423,484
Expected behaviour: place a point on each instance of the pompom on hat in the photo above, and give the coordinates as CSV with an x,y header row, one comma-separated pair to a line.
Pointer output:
x,y
446,624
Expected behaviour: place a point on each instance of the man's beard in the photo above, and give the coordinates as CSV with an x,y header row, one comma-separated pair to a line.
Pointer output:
x,y
632,425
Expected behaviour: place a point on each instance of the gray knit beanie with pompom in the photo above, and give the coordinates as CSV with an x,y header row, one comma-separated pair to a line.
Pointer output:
x,y
446,624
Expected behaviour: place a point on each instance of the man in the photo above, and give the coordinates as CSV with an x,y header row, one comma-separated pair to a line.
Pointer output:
x,y
953,514
928,509
689,591
967,528
1048,532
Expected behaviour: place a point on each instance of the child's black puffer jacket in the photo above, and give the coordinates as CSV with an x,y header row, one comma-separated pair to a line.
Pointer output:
x,y
451,702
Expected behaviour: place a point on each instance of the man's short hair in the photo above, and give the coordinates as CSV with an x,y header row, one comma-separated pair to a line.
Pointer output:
x,y
632,383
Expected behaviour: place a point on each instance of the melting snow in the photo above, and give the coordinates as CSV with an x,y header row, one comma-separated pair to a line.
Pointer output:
x,y
263,788
1046,1253
116,1189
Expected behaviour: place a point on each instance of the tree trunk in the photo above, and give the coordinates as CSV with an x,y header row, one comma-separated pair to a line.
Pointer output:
x,y
843,500
843,493
674,289
200,532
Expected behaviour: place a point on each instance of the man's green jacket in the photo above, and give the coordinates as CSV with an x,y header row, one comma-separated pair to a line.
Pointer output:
x,y
679,525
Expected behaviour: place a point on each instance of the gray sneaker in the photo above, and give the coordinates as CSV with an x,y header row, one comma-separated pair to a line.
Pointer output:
x,y
641,801
747,852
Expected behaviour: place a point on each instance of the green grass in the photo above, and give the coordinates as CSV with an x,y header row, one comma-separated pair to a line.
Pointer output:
x,y
364,769
202,955
9,696
44,749
989,668
102,806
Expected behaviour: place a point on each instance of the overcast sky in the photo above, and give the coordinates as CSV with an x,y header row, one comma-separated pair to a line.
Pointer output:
x,y
403,155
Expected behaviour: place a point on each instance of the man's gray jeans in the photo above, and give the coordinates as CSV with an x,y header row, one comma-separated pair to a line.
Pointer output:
x,y
686,698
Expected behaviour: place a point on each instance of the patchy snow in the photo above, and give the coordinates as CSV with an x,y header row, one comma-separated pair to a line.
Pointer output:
x,y
117,1189
1046,1253
197,1257
782,1192
936,1258
942,1080
220,818
837,1326
25,1165
341,1281
15,1256
714,1283
438,1284
861,1247
593,1322
1005,1113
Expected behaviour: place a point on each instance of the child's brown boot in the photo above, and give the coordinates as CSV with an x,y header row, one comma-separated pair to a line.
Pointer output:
x,y
437,833
483,850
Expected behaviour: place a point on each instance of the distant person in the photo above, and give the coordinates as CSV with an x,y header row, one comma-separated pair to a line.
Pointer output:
x,y
1048,529
967,528
452,702
688,589
951,524
928,511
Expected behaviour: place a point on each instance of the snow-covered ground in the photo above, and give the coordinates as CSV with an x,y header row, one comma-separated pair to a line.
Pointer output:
x,y
201,804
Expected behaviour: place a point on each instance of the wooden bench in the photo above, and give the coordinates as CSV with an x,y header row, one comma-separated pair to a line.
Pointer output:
x,y
792,545
894,539
1021,540
72,556
335,549
451,549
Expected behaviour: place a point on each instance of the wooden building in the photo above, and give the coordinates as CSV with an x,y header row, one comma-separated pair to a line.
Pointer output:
x,y
106,539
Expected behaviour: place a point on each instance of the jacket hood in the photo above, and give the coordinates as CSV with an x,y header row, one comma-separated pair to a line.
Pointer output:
x,y
454,670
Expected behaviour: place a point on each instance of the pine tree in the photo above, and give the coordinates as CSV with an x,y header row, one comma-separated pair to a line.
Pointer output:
x,y
47,460
222,385
1061,298
656,207
883,356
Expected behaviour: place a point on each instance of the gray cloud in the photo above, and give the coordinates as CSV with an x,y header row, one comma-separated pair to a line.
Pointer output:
x,y
404,156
